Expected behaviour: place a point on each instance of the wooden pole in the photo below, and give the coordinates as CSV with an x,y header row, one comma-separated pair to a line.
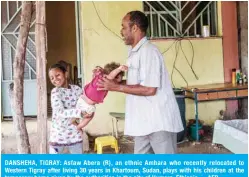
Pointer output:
x,y
23,146
40,42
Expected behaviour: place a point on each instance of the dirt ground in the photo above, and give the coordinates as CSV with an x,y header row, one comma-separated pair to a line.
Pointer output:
x,y
126,145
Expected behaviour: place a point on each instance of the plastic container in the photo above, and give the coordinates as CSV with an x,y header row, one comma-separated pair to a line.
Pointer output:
x,y
180,98
234,76
237,76
193,131
205,31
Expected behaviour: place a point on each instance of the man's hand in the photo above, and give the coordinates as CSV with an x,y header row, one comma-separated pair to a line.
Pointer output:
x,y
111,85
106,84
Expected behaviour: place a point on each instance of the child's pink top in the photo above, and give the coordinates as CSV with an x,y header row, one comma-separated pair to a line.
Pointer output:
x,y
91,89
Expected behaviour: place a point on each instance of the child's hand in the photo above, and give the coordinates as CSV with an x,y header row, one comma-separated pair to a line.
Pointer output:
x,y
74,122
96,70
123,67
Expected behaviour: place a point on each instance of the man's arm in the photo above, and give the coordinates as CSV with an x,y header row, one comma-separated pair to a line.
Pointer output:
x,y
137,90
149,76
140,90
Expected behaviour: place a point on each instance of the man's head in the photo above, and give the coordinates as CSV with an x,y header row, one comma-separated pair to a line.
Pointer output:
x,y
134,26
108,68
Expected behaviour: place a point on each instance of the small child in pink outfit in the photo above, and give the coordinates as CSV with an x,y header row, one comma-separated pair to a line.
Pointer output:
x,y
92,95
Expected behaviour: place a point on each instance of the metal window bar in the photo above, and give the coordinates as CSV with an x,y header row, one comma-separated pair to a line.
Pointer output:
x,y
2,68
29,38
178,23
208,16
14,35
170,12
27,49
215,18
155,11
79,43
184,5
9,21
201,20
179,15
11,69
191,11
177,29
30,32
163,22
30,74
200,14
159,12
8,13
166,29
159,25
151,23
175,6
30,67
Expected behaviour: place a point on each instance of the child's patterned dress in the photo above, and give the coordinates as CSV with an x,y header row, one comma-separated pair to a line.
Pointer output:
x,y
63,101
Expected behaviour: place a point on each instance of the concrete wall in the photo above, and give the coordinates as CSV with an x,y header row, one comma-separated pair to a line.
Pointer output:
x,y
243,43
243,26
101,46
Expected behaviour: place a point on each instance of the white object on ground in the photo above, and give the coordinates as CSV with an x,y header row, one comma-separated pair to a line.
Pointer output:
x,y
232,134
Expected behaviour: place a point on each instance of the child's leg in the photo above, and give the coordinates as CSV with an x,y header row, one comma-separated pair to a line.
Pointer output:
x,y
56,149
81,103
85,105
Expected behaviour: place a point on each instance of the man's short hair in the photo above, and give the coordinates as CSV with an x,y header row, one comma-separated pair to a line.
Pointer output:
x,y
139,18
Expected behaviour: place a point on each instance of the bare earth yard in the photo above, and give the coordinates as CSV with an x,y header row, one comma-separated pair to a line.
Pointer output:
x,y
8,145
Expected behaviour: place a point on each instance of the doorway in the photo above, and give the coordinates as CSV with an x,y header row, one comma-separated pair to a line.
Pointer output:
x,y
63,37
63,44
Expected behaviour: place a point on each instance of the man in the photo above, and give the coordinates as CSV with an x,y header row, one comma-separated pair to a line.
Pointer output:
x,y
152,113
